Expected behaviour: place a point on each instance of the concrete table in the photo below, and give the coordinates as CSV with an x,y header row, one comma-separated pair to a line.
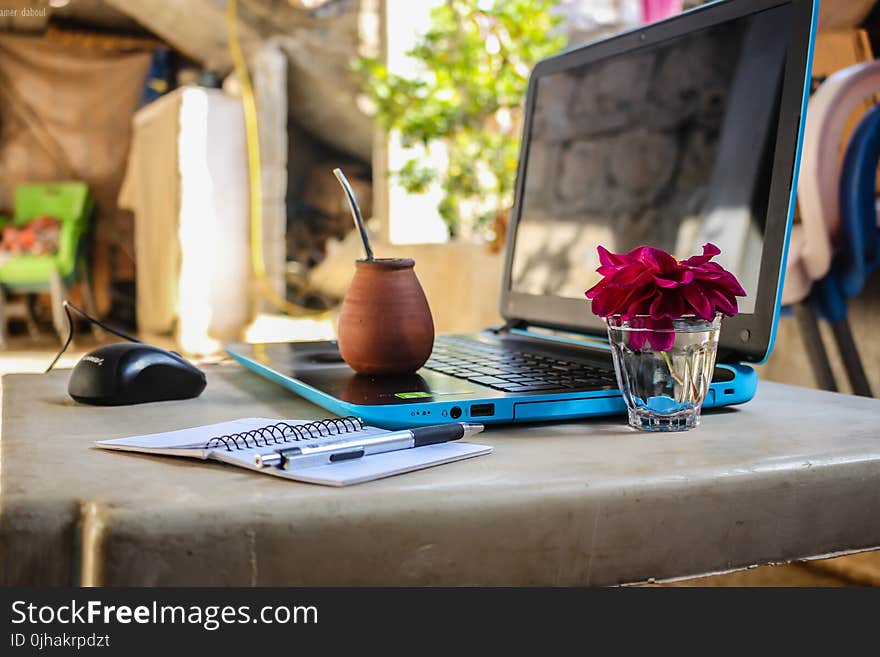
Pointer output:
x,y
791,475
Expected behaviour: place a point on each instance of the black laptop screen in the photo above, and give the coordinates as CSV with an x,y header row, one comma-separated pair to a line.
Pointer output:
x,y
671,145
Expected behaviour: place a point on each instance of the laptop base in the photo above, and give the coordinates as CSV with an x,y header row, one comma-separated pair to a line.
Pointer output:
x,y
314,371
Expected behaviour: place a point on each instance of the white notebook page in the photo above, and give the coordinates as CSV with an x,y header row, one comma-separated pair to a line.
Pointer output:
x,y
193,443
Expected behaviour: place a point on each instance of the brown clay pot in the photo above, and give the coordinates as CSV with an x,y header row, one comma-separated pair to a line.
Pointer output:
x,y
385,324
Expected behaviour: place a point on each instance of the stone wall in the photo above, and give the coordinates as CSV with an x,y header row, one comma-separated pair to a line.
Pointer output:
x,y
666,146
643,167
623,153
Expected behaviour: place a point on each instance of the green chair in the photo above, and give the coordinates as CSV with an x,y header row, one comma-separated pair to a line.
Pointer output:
x,y
72,204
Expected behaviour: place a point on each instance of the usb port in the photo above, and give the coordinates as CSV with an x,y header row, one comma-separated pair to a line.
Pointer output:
x,y
482,410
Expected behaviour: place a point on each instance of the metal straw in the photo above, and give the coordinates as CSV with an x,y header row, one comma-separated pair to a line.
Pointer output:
x,y
355,211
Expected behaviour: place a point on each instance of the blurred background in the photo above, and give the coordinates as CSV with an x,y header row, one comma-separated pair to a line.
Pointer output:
x,y
167,164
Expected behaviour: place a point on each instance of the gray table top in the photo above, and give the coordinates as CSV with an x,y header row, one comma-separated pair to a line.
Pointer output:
x,y
793,474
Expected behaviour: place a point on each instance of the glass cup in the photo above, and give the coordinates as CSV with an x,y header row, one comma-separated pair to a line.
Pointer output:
x,y
664,388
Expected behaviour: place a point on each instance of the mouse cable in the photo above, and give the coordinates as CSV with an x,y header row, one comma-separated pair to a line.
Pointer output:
x,y
67,308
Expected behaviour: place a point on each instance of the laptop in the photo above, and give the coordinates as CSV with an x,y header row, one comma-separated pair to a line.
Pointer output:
x,y
673,135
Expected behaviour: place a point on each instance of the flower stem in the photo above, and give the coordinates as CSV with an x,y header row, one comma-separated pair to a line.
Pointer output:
x,y
671,369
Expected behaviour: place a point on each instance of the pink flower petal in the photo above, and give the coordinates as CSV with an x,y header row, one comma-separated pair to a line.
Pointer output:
x,y
675,279
667,304
632,275
638,303
637,339
709,252
697,299
661,340
721,302
655,258
610,259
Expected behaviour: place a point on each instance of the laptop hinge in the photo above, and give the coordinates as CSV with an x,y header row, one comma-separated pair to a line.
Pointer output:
x,y
509,325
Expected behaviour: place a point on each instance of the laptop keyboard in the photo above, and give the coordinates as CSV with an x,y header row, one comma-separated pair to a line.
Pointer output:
x,y
513,371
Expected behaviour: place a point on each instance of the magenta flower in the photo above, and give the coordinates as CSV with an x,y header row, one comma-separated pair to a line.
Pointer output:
x,y
652,287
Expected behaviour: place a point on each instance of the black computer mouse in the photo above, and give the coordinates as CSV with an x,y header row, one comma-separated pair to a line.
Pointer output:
x,y
133,373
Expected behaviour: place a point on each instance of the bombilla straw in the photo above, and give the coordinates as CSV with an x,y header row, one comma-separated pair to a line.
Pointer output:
x,y
355,211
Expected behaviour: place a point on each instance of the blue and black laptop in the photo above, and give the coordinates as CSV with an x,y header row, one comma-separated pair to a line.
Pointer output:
x,y
684,132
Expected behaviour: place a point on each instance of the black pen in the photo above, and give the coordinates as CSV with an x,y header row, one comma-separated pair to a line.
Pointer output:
x,y
358,447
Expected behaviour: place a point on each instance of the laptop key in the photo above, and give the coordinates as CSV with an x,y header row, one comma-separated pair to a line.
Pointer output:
x,y
490,381
509,387
531,388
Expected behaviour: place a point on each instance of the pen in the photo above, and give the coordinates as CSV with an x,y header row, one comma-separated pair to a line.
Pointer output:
x,y
356,448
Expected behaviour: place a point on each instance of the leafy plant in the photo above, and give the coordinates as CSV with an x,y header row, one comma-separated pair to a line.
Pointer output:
x,y
476,58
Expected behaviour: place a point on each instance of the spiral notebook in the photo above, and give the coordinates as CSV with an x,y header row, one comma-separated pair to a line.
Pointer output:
x,y
238,442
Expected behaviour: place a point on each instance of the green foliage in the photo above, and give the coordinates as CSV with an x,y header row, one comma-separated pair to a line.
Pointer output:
x,y
476,58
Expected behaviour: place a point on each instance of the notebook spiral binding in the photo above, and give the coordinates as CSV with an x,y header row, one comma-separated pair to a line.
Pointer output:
x,y
276,434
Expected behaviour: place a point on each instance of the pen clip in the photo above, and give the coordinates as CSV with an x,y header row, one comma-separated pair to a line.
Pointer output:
x,y
278,460
347,456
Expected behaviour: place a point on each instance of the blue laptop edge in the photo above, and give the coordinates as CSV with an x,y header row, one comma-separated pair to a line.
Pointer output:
x,y
508,410
814,26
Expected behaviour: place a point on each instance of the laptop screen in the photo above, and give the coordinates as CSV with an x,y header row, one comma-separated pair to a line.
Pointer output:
x,y
670,145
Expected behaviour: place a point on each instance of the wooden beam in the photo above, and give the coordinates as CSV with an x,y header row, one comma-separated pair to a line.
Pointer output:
x,y
319,47
196,28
